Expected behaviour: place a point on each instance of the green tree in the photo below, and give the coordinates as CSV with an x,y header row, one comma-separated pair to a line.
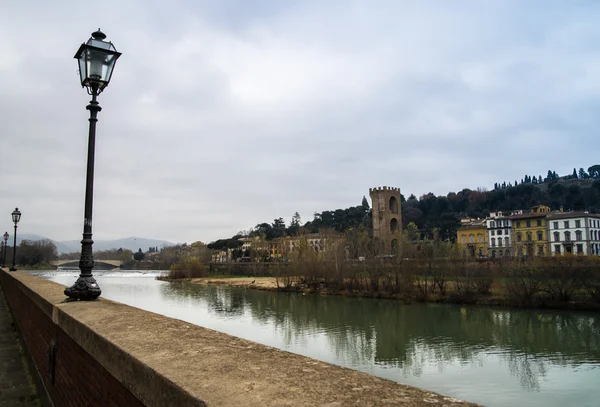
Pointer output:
x,y
583,174
139,255
594,171
365,204
574,173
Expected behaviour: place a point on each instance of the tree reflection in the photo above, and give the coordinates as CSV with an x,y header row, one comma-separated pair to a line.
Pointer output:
x,y
363,332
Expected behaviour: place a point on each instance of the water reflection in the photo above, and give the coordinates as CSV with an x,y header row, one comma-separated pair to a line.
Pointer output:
x,y
486,355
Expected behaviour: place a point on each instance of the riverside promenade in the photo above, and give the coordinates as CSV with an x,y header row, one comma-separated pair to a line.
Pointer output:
x,y
16,388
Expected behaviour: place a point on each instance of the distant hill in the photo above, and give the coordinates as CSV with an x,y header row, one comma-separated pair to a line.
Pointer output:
x,y
69,246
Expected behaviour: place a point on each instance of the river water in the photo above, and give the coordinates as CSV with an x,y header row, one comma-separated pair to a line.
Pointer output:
x,y
492,356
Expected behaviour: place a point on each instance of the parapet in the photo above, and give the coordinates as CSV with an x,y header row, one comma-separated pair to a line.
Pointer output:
x,y
386,188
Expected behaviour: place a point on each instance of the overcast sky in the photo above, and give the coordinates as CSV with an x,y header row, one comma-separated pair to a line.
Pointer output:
x,y
224,114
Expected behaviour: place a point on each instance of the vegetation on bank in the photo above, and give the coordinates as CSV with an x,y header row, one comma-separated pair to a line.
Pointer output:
x,y
553,282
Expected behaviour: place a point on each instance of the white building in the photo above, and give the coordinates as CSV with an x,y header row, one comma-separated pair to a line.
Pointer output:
x,y
499,236
574,232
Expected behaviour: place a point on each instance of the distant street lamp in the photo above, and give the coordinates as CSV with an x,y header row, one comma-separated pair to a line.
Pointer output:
x,y
4,249
16,217
96,59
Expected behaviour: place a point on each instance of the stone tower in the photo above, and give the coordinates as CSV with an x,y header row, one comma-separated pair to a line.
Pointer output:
x,y
387,217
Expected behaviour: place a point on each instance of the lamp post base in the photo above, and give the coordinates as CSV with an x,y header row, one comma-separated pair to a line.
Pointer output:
x,y
84,289
13,268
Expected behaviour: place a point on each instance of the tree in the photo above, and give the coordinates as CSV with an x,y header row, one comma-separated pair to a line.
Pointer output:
x,y
139,255
294,228
574,173
365,204
540,179
594,171
583,174
33,252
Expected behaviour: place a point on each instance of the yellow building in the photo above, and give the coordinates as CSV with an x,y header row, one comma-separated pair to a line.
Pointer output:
x,y
530,232
471,236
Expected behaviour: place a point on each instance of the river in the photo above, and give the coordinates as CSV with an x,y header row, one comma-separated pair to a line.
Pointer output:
x,y
492,356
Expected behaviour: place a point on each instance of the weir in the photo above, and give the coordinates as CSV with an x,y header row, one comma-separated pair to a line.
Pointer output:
x,y
104,353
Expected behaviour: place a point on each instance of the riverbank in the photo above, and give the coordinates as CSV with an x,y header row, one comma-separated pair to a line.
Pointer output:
x,y
494,299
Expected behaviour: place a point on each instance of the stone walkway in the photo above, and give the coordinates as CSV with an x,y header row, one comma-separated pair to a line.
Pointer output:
x,y
16,388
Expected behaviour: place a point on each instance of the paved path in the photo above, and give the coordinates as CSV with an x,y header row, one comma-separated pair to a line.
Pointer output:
x,y
16,388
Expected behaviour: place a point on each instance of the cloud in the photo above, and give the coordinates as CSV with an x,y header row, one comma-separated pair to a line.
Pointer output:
x,y
222,115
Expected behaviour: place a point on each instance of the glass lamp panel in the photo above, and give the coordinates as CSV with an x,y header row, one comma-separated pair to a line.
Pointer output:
x,y
109,65
82,67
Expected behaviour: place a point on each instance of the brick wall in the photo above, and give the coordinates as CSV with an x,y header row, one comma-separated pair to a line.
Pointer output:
x,y
78,379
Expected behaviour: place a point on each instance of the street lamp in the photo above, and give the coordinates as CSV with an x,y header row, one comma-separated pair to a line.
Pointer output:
x,y
16,217
96,59
4,249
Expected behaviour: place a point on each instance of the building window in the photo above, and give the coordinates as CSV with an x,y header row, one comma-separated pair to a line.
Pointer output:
x,y
557,248
539,222
578,235
493,232
493,242
529,238
464,239
567,236
580,248
577,223
506,241
472,238
506,232
566,224
540,235
519,237
528,223
555,225
480,252
479,238
556,237
499,242
499,232
493,224
519,224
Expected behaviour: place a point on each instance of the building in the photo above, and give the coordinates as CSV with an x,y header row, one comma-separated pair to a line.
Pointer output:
x,y
499,235
386,215
574,232
530,232
472,237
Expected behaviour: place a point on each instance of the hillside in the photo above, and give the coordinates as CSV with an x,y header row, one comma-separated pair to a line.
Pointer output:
x,y
69,246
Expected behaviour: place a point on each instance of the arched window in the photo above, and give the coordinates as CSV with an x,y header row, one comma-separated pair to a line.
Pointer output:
x,y
394,225
464,239
479,238
500,242
393,204
472,238
506,241
556,237
507,253
493,242
578,235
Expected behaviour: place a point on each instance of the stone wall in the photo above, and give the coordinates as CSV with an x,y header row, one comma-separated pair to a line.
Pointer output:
x,y
104,353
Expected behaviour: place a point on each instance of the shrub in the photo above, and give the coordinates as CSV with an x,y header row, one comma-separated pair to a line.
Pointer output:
x,y
190,267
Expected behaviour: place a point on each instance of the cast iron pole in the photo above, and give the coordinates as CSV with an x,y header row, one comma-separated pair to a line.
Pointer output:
x,y
86,288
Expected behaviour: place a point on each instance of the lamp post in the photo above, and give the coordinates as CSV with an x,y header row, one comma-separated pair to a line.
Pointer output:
x,y
4,249
96,59
16,217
